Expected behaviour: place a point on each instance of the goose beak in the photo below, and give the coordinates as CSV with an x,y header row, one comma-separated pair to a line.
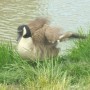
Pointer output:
x,y
18,38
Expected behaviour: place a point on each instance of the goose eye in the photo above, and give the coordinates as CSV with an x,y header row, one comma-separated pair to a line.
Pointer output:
x,y
19,34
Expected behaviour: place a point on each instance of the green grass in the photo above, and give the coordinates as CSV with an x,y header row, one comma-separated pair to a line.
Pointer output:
x,y
69,72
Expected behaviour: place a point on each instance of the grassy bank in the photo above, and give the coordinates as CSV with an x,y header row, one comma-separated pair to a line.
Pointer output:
x,y
71,72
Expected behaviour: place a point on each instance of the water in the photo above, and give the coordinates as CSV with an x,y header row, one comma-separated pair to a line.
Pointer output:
x,y
68,14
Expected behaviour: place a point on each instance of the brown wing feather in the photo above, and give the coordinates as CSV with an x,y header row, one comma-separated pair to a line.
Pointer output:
x,y
45,48
39,36
53,34
38,23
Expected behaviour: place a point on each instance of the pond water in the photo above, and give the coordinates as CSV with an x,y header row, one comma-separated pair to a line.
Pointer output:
x,y
68,14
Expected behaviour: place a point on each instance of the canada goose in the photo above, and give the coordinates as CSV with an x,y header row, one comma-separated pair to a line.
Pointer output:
x,y
41,41
36,46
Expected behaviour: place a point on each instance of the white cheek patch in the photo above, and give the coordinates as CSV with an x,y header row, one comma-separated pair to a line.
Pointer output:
x,y
24,31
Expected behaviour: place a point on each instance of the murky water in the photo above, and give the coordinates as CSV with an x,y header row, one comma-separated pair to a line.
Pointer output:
x,y
68,14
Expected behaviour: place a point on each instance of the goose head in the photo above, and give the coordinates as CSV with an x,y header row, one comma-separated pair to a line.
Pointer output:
x,y
25,45
23,31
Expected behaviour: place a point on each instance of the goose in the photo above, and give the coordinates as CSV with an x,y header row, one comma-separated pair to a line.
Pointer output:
x,y
40,41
